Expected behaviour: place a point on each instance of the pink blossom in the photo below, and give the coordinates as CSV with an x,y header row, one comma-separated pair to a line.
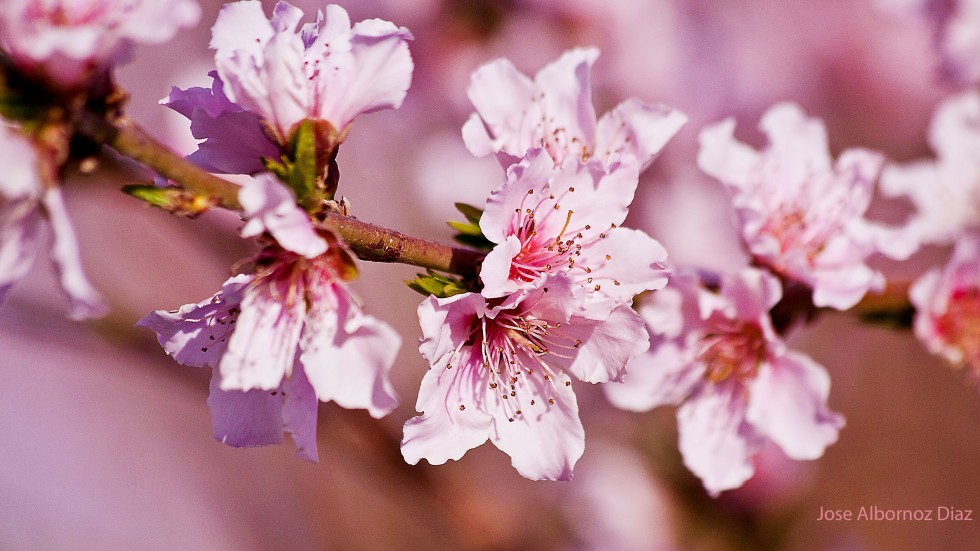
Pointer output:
x,y
25,202
326,70
945,191
279,340
554,111
717,357
71,41
547,220
269,206
499,371
801,215
947,305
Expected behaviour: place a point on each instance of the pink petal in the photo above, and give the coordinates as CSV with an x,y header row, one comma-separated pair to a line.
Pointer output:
x,y
638,129
262,349
501,95
565,95
348,362
545,439
270,206
798,141
664,376
604,347
788,404
446,431
536,168
715,441
240,26
496,268
724,157
86,302
375,75
623,264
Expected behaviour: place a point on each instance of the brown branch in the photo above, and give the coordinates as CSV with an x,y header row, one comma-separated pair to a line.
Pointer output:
x,y
370,242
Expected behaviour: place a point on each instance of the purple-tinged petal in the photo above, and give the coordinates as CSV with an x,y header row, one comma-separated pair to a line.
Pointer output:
x,y
788,404
540,429
263,347
270,206
715,441
299,413
638,129
664,376
197,334
86,302
285,17
245,419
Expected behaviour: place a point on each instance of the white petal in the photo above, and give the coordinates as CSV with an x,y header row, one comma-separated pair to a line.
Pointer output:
x,y
86,302
638,129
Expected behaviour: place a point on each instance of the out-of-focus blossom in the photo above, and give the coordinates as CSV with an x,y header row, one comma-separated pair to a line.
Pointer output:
x,y
268,205
554,111
546,220
947,305
25,201
716,355
280,339
801,215
498,371
956,24
271,77
71,41
945,191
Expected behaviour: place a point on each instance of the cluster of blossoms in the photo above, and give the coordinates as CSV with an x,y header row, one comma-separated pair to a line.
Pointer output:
x,y
553,295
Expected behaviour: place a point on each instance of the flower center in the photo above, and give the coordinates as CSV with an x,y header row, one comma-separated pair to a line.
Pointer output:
x,y
61,13
732,350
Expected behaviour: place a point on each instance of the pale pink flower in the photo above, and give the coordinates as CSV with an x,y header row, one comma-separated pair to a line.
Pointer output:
x,y
947,306
945,191
499,371
278,76
279,340
800,214
25,202
554,111
72,41
269,206
547,220
717,356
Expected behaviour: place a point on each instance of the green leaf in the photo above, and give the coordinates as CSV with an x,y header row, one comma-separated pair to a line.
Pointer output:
x,y
478,242
465,227
304,171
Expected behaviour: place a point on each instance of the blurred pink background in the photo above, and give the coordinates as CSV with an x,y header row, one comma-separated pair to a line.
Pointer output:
x,y
106,443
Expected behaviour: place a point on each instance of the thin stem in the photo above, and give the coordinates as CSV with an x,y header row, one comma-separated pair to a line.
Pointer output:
x,y
370,242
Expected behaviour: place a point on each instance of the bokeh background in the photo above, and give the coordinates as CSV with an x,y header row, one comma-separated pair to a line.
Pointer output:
x,y
105,443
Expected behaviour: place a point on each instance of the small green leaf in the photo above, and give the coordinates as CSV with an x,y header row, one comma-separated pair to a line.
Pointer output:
x,y
437,285
465,227
471,213
478,242
171,199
